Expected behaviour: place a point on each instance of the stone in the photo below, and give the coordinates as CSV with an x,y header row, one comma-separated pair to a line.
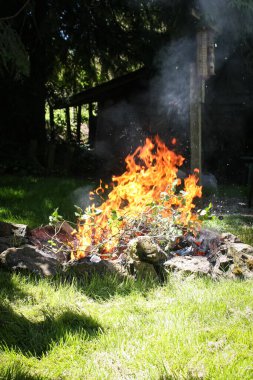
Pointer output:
x,y
5,229
20,230
10,229
145,258
29,258
12,241
144,249
66,228
227,237
239,251
53,240
249,263
85,266
189,264
143,270
62,233
12,235
223,264
5,243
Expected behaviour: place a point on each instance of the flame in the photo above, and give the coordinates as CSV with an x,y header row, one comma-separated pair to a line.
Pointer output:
x,y
150,171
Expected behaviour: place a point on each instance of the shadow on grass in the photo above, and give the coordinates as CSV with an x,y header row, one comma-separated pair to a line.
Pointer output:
x,y
35,338
17,371
104,287
31,200
9,288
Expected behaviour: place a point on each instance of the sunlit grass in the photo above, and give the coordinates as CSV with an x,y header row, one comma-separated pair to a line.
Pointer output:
x,y
106,329
103,328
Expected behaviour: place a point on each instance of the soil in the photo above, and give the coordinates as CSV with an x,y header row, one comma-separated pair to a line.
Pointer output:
x,y
224,205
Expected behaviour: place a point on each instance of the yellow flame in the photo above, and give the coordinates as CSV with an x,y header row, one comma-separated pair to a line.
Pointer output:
x,y
150,170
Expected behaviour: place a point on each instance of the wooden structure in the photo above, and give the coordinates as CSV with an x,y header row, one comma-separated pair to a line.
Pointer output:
x,y
113,90
201,70
124,87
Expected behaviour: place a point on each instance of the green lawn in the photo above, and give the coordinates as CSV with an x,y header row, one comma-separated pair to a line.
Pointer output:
x,y
103,328
31,200
106,329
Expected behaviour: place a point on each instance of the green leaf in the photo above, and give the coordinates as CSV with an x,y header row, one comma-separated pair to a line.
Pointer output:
x,y
55,217
114,215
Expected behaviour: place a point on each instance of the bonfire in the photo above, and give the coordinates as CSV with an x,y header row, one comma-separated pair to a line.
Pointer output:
x,y
146,225
148,199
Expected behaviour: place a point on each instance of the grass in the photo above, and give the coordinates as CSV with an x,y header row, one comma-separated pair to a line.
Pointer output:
x,y
106,329
241,226
103,328
31,200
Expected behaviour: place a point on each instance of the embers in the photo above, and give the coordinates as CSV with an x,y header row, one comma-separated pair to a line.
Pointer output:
x,y
205,243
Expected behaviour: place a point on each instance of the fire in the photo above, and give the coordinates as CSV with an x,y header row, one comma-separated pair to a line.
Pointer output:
x,y
150,179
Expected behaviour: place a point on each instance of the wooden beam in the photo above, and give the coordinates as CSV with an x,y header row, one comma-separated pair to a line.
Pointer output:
x,y
78,124
92,126
195,119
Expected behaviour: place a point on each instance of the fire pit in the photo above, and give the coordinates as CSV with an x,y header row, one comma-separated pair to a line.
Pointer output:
x,y
147,199
147,223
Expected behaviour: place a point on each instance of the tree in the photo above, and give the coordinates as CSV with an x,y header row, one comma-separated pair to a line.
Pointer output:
x,y
63,46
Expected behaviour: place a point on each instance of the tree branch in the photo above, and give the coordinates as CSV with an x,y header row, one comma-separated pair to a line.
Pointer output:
x,y
17,13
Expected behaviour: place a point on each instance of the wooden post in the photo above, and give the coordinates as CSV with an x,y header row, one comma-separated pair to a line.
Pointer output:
x,y
199,72
195,119
78,124
92,126
68,135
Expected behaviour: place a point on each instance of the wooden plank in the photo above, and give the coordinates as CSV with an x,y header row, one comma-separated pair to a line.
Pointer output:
x,y
78,124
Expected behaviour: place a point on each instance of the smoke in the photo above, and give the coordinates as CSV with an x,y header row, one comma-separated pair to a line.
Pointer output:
x,y
229,16
220,14
80,196
166,104
121,133
170,88
232,20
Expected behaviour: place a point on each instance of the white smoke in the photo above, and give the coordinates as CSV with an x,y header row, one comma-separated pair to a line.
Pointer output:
x,y
80,196
171,86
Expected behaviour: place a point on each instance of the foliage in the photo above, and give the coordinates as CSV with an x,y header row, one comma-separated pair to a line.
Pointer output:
x,y
13,55
72,45
55,217
206,213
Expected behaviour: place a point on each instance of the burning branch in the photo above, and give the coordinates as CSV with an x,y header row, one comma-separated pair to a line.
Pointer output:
x,y
147,199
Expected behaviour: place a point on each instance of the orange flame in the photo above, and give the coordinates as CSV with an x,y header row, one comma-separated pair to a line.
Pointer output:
x,y
150,171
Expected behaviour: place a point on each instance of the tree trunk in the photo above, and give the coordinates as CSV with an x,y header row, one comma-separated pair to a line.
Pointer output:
x,y
52,123
38,73
23,113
